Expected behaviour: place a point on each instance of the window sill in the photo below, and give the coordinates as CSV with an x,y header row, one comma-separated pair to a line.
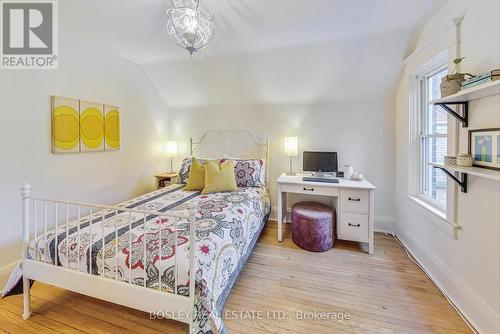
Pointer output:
x,y
432,208
435,216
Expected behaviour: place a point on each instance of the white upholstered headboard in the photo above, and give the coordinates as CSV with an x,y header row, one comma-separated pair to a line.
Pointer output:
x,y
236,144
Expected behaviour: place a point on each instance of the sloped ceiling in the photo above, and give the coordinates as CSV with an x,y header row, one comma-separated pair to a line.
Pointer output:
x,y
263,51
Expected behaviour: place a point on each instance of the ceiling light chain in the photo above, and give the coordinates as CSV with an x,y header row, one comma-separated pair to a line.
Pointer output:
x,y
189,26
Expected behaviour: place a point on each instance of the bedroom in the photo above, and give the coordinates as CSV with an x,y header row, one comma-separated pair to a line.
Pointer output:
x,y
102,111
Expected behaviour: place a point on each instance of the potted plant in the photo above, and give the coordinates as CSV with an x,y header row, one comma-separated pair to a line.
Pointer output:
x,y
451,83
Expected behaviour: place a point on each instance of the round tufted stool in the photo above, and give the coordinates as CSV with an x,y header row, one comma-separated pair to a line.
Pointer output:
x,y
313,226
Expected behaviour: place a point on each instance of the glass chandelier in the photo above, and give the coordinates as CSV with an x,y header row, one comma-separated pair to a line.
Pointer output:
x,y
189,26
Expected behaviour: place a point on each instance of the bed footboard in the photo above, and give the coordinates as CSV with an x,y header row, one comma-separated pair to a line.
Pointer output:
x,y
63,217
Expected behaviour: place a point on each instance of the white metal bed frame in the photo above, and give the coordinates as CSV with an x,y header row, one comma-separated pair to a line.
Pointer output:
x,y
102,287
215,143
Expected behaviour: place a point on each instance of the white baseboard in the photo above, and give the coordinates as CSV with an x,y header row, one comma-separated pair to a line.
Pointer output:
x,y
474,309
5,273
383,224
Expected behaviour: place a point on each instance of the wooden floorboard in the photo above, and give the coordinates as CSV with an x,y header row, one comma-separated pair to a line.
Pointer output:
x,y
382,293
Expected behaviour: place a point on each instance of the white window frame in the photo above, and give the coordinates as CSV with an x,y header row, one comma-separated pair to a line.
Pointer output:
x,y
416,143
423,91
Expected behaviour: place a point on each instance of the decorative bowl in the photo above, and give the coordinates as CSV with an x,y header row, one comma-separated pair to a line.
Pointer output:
x,y
450,161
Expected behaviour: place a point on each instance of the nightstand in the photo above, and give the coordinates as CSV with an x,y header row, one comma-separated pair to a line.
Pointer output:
x,y
165,179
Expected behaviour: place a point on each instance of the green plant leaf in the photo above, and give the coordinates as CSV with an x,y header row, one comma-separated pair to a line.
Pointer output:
x,y
457,61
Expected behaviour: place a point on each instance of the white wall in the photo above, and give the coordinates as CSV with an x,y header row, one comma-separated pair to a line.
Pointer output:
x,y
467,267
87,72
330,101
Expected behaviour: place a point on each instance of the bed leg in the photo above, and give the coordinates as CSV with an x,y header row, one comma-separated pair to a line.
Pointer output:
x,y
26,295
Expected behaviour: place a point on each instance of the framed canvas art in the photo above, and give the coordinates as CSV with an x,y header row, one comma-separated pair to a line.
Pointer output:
x,y
484,146
65,125
111,128
91,127
84,126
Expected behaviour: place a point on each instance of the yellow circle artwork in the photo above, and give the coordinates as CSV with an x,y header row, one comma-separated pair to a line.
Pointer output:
x,y
92,128
113,129
65,128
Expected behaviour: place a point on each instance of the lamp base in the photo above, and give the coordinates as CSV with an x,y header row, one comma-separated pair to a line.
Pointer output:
x,y
290,169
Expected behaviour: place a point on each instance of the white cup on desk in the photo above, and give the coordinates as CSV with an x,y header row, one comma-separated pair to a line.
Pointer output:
x,y
348,171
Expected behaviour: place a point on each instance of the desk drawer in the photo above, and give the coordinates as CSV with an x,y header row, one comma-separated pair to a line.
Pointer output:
x,y
353,226
356,200
310,189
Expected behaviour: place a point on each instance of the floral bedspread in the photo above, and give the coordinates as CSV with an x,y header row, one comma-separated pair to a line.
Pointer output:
x,y
227,227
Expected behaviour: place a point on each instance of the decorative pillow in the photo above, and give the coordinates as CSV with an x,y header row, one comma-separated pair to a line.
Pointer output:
x,y
196,179
185,168
250,173
219,177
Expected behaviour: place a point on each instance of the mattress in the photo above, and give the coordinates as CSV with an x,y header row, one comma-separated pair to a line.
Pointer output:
x,y
227,227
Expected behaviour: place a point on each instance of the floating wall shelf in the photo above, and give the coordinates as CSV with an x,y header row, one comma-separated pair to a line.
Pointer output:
x,y
474,93
462,182
475,171
463,97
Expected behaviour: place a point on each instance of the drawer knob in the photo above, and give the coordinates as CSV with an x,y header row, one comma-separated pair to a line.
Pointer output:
x,y
355,199
354,225
308,189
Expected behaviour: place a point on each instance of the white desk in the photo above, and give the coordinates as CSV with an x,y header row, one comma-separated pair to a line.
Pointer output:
x,y
353,201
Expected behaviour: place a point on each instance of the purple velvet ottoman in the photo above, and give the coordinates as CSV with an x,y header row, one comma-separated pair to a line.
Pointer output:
x,y
313,226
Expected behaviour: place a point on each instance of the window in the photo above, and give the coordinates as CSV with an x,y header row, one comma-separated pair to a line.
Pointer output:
x,y
433,132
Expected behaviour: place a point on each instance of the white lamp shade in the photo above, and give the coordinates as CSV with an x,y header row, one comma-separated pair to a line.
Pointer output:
x,y
292,146
171,149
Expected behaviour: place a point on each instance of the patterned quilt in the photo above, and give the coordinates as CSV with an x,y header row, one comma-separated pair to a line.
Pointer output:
x,y
227,227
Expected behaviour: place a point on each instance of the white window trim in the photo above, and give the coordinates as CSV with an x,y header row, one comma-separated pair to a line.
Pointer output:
x,y
447,215
422,95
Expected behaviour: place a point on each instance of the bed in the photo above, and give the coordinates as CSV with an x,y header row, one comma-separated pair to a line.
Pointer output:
x,y
143,252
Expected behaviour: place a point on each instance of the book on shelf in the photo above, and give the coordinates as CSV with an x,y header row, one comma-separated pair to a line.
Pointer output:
x,y
476,79
480,82
480,78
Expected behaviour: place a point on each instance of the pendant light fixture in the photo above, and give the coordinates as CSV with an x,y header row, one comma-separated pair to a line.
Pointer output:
x,y
189,26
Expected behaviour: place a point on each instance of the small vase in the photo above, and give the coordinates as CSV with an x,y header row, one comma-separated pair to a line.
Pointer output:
x,y
348,171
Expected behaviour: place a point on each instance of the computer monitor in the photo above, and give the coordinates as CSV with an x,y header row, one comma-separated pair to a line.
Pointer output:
x,y
323,162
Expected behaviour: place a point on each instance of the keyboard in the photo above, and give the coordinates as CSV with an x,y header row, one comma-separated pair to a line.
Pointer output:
x,y
320,179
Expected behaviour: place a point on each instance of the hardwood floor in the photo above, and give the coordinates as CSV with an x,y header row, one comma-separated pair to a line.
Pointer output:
x,y
383,293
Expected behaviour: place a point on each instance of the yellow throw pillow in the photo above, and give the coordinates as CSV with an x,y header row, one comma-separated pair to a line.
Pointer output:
x,y
196,176
219,177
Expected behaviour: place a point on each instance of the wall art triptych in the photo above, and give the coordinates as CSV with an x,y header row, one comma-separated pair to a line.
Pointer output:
x,y
83,126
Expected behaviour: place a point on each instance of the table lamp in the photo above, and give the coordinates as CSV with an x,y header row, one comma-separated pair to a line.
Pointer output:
x,y
171,151
291,149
